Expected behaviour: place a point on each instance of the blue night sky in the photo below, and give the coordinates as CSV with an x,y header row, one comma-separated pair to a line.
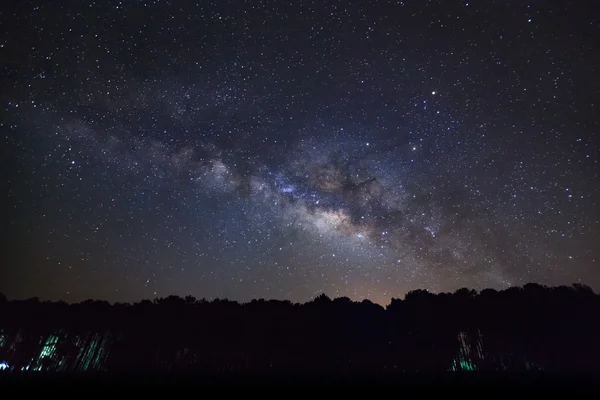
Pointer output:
x,y
270,149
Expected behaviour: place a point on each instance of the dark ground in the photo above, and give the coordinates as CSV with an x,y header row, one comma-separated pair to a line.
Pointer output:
x,y
170,384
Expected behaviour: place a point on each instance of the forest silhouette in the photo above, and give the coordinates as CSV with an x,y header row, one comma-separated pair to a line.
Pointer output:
x,y
529,328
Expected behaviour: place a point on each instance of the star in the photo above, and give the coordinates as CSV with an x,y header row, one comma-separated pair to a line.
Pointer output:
x,y
155,148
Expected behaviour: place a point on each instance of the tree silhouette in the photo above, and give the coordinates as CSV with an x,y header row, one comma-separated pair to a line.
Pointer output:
x,y
527,328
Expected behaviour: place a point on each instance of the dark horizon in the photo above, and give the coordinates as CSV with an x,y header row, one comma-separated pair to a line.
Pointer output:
x,y
534,329
576,286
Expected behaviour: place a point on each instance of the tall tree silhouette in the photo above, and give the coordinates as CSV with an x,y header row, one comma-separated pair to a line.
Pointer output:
x,y
527,328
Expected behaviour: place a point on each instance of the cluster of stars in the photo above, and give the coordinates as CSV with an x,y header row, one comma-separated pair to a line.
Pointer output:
x,y
265,149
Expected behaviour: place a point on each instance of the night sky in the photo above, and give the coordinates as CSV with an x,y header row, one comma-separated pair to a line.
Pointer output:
x,y
262,149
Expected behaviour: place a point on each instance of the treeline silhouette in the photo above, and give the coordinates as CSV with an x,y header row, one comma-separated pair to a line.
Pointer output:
x,y
528,328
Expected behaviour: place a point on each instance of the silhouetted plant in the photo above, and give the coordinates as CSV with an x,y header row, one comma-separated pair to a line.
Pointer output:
x,y
518,329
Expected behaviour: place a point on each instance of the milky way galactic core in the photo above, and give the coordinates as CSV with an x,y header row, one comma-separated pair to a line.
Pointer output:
x,y
245,149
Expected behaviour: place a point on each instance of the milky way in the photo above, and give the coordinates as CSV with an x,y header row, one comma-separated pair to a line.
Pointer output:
x,y
269,150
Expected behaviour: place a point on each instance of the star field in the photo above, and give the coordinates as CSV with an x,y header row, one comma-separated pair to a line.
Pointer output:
x,y
262,149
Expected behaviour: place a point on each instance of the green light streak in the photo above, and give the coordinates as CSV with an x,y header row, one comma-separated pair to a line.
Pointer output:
x,y
48,351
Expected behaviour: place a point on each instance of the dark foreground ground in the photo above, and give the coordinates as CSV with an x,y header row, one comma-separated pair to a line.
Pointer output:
x,y
364,383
